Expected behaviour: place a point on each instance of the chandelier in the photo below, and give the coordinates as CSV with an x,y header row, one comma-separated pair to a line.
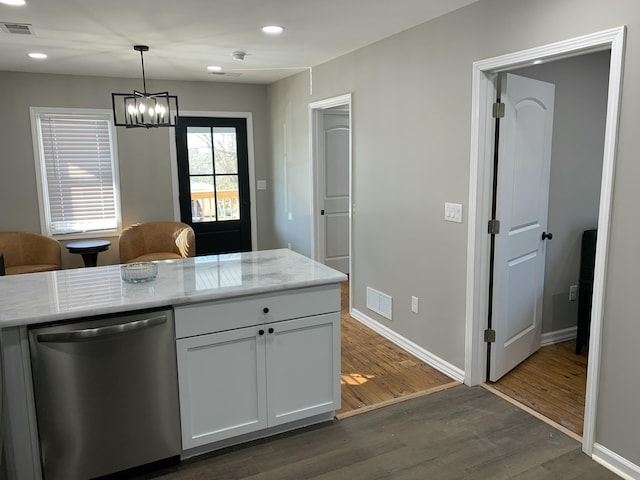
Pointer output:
x,y
144,109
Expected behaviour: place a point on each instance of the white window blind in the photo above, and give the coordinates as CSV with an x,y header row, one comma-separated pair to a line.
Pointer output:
x,y
78,178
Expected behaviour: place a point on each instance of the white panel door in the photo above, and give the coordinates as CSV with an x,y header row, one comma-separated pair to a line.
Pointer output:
x,y
303,368
524,160
221,377
333,185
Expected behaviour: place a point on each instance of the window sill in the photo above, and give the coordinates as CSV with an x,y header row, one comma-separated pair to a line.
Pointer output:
x,y
95,235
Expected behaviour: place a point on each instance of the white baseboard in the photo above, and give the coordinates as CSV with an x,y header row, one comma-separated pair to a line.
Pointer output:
x,y
558,336
406,344
614,462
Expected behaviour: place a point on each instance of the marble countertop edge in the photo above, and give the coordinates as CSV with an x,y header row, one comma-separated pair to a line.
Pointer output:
x,y
73,294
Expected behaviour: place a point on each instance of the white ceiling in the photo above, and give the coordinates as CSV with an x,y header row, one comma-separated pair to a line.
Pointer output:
x,y
95,37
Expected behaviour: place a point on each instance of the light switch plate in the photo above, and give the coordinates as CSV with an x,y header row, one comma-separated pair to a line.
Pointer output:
x,y
262,184
453,212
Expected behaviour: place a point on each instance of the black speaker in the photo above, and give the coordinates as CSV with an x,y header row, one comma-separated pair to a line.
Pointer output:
x,y
585,286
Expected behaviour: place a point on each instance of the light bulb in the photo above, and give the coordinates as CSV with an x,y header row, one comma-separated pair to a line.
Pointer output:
x,y
272,29
141,107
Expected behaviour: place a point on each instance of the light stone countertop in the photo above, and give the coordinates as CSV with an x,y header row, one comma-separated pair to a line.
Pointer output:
x,y
82,292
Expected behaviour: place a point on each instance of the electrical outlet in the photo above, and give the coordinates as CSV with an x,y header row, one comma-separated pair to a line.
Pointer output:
x,y
414,304
573,293
289,246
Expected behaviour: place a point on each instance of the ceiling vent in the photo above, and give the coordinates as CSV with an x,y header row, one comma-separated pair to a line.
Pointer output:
x,y
226,74
16,28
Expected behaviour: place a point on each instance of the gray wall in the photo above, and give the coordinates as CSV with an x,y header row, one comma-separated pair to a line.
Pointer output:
x,y
576,172
411,133
145,163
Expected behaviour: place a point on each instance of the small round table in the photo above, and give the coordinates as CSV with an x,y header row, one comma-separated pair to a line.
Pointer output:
x,y
89,250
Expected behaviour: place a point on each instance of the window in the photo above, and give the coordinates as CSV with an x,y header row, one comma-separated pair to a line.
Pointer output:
x,y
76,169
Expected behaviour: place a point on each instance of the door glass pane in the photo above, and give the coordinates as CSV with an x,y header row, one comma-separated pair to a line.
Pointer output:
x,y
200,150
202,199
225,150
228,198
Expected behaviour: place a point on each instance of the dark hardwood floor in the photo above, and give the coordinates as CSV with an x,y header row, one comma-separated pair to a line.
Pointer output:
x,y
459,433
552,382
455,433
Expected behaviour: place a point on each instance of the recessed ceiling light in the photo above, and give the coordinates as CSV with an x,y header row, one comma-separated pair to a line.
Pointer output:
x,y
214,68
13,2
272,29
37,55
537,62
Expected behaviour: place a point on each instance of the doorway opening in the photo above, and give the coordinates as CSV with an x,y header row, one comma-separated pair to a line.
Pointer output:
x,y
331,146
484,88
552,381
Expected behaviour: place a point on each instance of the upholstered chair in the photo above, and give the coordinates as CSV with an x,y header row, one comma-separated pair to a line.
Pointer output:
x,y
144,242
26,252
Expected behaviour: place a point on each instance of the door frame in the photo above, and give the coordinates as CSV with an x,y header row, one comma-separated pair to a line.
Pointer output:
x,y
480,177
248,116
315,111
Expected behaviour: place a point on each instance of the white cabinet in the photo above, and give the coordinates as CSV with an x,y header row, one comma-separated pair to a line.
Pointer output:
x,y
303,368
243,380
221,379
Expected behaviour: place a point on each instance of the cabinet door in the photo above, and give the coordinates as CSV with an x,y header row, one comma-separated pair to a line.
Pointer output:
x,y
303,368
222,385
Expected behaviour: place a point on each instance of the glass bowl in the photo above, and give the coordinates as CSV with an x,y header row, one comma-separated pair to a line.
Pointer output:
x,y
139,272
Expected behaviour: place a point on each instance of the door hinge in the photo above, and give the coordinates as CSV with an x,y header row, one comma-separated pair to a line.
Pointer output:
x,y
498,110
490,335
494,227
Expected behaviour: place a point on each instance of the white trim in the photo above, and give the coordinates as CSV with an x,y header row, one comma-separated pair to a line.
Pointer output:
x,y
414,349
252,166
479,177
614,462
314,107
557,336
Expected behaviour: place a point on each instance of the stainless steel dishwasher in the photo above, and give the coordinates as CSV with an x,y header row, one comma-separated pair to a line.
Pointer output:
x,y
106,394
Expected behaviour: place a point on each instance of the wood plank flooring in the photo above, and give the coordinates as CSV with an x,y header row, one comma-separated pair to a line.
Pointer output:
x,y
459,433
376,372
553,382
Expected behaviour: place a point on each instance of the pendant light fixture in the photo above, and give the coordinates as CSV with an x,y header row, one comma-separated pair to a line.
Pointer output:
x,y
143,109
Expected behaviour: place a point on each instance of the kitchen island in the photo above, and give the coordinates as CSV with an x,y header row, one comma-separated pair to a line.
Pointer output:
x,y
257,342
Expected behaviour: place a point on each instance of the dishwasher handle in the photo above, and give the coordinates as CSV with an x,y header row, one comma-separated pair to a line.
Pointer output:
x,y
91,333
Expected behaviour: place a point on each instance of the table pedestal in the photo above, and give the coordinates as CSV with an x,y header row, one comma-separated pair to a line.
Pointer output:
x,y
89,250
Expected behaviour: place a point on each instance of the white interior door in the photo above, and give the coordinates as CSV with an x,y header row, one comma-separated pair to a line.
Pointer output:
x,y
333,187
524,161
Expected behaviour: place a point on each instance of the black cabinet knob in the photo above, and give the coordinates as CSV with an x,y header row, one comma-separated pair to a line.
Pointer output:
x,y
265,310
270,330
260,332
547,236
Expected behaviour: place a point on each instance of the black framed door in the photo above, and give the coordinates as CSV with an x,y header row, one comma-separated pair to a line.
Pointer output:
x,y
213,179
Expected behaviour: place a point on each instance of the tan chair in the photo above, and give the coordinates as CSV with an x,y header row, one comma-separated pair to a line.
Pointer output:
x,y
26,252
145,242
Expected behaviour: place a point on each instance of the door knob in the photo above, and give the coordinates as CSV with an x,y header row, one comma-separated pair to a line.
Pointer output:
x,y
271,330
260,332
547,236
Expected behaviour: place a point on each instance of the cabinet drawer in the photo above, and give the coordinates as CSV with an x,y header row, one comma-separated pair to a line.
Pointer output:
x,y
218,316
